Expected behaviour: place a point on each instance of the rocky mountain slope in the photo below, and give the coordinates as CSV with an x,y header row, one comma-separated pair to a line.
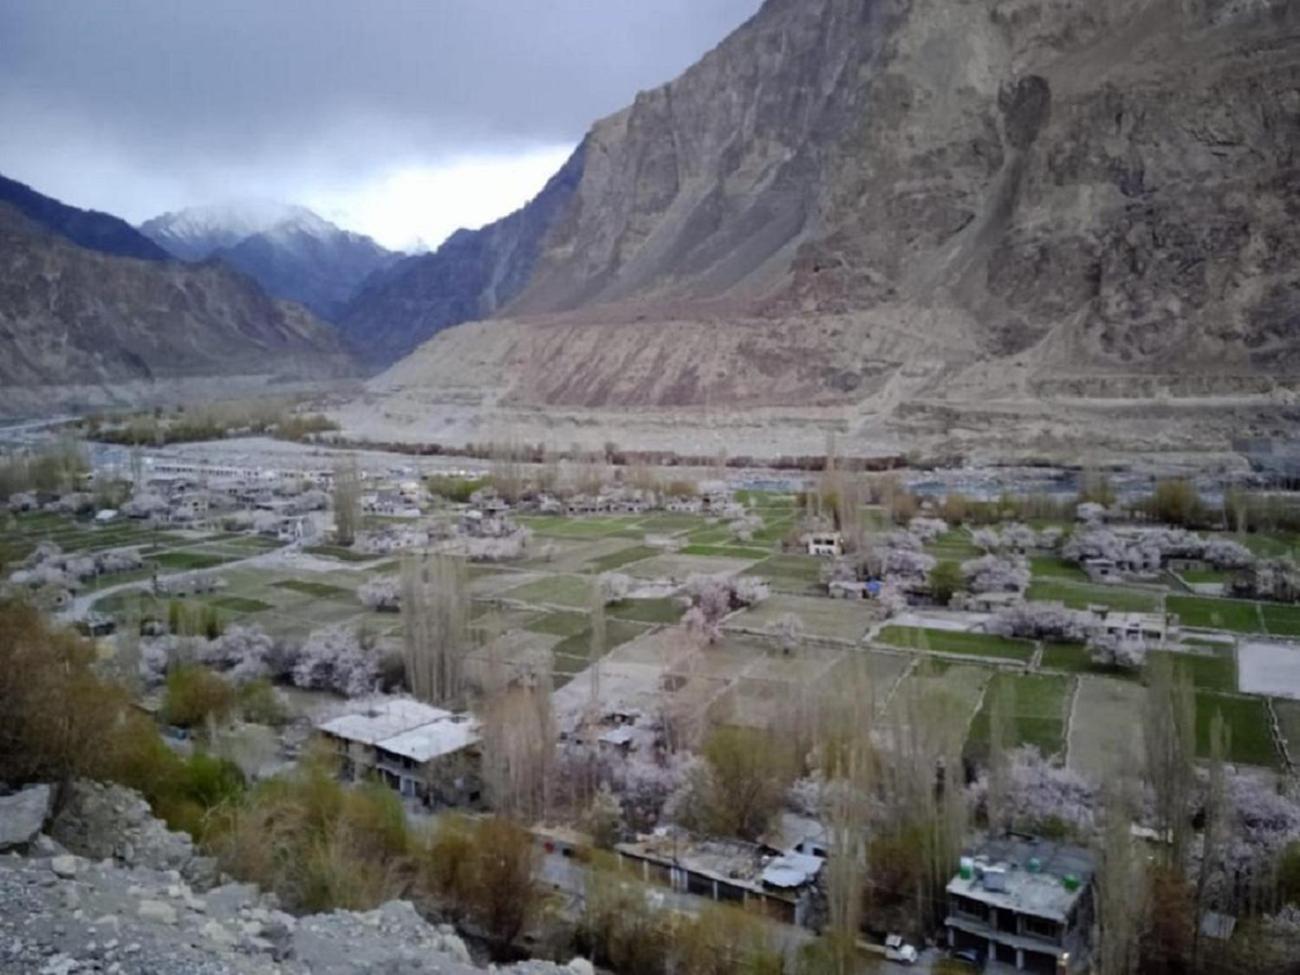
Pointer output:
x,y
86,898
474,274
86,228
927,220
290,251
79,327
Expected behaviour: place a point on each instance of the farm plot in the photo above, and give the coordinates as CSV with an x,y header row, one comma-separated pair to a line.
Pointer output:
x,y
559,526
1281,620
682,567
1205,612
571,556
1269,668
1079,596
941,696
558,590
1052,567
1213,670
619,558
1105,737
1035,708
1250,732
1288,720
664,610
790,573
832,619
951,641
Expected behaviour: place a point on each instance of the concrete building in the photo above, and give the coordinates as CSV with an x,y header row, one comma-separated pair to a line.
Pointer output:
x,y
1154,628
826,544
422,752
1025,902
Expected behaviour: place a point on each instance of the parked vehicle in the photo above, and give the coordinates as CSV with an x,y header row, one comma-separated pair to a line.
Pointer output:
x,y
896,949
972,957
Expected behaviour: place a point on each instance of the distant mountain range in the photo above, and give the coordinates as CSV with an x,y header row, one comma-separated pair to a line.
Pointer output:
x,y
92,312
86,228
291,251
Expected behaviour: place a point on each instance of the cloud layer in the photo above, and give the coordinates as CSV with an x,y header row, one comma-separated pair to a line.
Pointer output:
x,y
140,106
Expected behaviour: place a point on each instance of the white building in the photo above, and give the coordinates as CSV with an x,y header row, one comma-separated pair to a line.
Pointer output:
x,y
423,752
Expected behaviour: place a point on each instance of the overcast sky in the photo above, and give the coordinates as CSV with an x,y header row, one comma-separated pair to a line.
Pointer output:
x,y
403,119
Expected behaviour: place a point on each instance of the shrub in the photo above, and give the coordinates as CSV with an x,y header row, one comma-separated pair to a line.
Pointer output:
x,y
945,580
56,716
486,868
194,695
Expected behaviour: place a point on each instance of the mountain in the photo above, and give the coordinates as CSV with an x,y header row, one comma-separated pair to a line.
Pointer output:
x,y
289,250
472,275
938,220
81,327
86,228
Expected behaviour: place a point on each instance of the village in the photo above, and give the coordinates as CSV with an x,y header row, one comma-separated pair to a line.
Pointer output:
x,y
675,677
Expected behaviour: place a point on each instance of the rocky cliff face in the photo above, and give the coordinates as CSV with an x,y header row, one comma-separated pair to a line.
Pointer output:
x,y
910,207
73,320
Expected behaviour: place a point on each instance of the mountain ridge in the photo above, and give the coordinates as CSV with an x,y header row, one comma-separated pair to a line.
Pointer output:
x,y
81,326
293,252
91,229
913,208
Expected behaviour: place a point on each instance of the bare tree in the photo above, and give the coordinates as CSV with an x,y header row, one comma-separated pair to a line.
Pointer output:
x,y
1214,835
347,501
1120,886
596,648
435,625
1169,732
518,727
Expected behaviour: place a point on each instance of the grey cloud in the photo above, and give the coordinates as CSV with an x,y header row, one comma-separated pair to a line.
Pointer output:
x,y
182,95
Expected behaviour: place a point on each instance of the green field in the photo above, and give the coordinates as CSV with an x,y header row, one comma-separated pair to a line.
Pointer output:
x,y
559,623
727,551
955,545
666,610
1198,577
1217,672
1216,614
617,632
1075,658
947,641
1288,719
340,553
616,560
790,573
1082,596
321,590
239,604
1281,619
1250,735
1035,707
183,560
1051,567
559,526
558,590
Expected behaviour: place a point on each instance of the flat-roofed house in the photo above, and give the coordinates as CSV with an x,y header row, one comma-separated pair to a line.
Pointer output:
x,y
1024,902
422,752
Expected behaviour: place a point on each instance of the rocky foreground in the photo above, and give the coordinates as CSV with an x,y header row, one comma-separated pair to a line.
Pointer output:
x,y
136,899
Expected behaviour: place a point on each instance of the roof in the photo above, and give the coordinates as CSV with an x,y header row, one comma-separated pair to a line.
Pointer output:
x,y
442,737
792,870
1035,872
618,736
383,720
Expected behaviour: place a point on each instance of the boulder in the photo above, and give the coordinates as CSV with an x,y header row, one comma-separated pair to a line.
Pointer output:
x,y
23,815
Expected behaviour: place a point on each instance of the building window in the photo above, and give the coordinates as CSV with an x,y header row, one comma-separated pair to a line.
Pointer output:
x,y
1041,928
970,908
